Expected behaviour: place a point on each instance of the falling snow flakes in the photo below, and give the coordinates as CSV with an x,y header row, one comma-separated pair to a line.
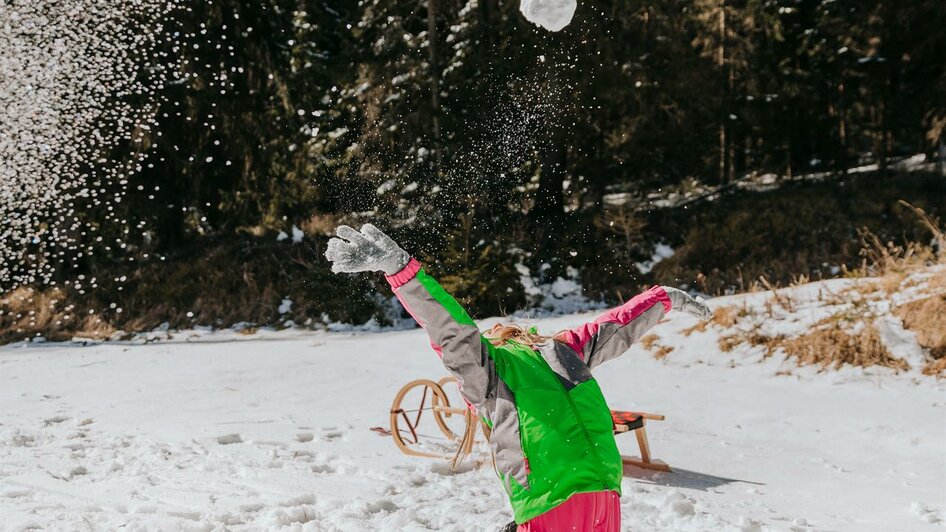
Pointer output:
x,y
68,71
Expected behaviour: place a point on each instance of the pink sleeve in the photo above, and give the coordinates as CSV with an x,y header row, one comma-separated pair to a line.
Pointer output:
x,y
613,332
407,273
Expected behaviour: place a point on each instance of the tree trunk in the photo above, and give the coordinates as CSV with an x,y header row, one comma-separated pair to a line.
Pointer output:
x,y
549,202
434,86
724,170
488,13
881,141
942,157
842,129
548,213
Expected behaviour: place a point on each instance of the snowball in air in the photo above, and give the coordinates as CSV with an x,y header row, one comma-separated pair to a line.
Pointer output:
x,y
552,15
297,234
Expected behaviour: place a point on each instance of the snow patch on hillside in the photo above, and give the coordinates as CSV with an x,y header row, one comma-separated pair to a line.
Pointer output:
x,y
661,252
552,297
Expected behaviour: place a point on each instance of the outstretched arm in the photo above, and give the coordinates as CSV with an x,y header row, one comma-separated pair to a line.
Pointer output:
x,y
612,333
453,334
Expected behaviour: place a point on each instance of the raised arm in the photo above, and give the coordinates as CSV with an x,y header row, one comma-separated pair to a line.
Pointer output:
x,y
612,333
453,334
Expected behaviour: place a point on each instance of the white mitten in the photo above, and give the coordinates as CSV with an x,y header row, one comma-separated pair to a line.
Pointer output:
x,y
367,251
682,301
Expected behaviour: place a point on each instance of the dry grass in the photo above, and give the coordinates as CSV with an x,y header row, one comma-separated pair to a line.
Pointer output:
x,y
857,310
831,298
937,368
649,341
729,342
833,342
753,338
833,346
26,312
932,224
925,317
892,282
882,259
893,263
937,282
783,300
727,317
723,317
848,336
219,285
698,327
663,352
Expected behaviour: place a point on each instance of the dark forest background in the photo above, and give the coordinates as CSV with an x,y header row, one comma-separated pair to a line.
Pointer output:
x,y
756,138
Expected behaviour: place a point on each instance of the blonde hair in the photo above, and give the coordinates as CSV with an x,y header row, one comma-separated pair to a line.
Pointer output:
x,y
503,332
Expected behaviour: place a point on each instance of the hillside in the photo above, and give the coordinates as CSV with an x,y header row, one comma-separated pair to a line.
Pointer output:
x,y
200,430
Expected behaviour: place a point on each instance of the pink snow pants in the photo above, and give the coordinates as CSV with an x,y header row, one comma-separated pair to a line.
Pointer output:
x,y
598,511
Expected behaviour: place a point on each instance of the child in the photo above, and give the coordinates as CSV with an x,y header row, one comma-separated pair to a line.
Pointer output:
x,y
551,436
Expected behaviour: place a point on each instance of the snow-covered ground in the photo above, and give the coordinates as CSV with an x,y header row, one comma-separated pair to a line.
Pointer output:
x,y
222,431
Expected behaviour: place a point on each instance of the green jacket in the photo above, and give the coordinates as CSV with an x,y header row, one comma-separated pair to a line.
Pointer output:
x,y
551,427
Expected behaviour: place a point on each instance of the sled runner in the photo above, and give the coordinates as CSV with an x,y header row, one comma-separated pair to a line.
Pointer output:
x,y
421,396
457,425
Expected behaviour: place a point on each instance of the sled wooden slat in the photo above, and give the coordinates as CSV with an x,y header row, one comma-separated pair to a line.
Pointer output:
x,y
636,462
636,422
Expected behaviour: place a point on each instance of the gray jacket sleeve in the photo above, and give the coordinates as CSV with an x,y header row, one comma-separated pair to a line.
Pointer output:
x,y
612,333
453,334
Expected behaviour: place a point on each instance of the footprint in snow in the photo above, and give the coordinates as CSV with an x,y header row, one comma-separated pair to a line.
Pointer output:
x,y
227,439
15,493
299,500
73,473
325,468
749,525
252,507
54,420
304,456
680,504
18,439
193,516
925,512
383,505
332,436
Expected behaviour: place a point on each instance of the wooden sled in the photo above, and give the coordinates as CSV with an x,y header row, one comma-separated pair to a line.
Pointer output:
x,y
636,422
431,397
406,420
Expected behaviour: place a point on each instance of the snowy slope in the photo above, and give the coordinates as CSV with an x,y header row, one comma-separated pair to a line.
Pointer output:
x,y
219,431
